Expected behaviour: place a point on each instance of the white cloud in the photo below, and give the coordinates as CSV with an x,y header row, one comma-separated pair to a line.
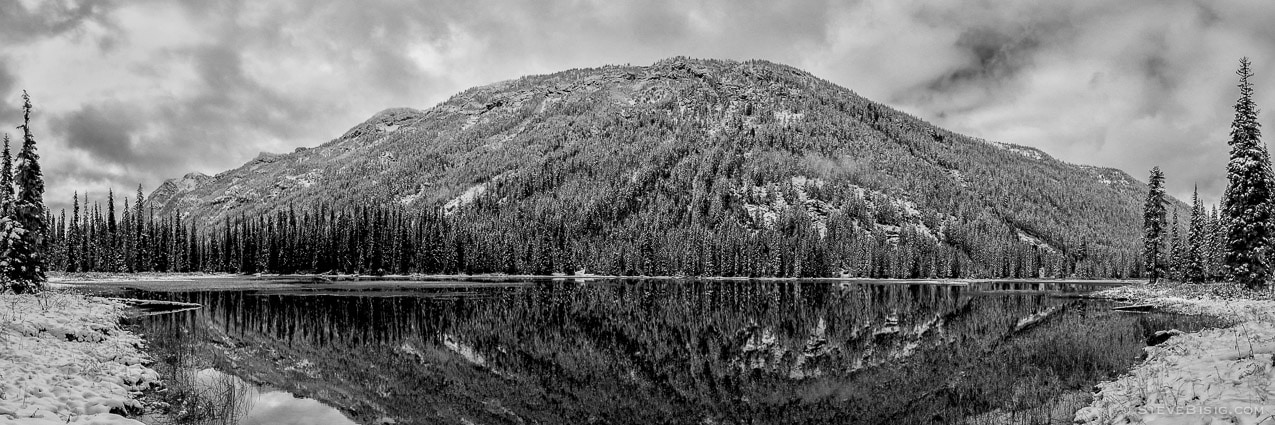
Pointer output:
x,y
205,86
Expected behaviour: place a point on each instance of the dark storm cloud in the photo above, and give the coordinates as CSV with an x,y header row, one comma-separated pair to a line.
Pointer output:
x,y
105,131
996,55
165,88
228,95
189,130
1127,84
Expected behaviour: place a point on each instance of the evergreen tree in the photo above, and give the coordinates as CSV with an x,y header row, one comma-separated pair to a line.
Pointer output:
x,y
1247,201
110,212
1176,248
1196,238
29,212
1153,218
113,257
74,247
6,180
1217,246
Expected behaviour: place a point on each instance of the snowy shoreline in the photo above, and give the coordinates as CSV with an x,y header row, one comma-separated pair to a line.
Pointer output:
x,y
65,359
1206,377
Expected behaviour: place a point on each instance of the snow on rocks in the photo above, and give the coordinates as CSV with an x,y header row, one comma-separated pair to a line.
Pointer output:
x,y
64,359
1213,376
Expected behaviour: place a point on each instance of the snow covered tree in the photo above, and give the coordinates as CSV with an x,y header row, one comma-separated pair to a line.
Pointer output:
x,y
1247,201
1196,239
1176,249
1153,219
29,211
74,242
6,179
11,235
1217,246
140,242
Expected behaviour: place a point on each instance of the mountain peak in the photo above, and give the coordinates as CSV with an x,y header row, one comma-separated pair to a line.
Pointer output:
x,y
685,142
385,121
171,188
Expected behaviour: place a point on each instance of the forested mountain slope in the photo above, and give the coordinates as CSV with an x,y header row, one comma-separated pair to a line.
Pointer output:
x,y
671,168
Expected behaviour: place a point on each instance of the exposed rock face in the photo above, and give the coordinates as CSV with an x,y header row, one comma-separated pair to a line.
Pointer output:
x,y
173,187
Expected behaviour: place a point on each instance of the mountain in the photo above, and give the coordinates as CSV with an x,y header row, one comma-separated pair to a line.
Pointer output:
x,y
619,162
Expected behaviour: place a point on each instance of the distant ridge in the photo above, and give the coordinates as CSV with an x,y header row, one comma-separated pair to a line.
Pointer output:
x,y
690,142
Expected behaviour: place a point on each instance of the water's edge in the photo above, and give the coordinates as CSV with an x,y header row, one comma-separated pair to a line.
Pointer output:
x,y
895,313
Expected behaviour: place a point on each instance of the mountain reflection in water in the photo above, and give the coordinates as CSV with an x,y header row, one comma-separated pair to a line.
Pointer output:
x,y
658,351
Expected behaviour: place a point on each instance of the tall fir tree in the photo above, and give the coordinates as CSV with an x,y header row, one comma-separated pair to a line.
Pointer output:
x,y
142,257
110,212
1217,246
1196,239
74,246
29,211
1176,249
1153,219
6,180
114,257
1247,201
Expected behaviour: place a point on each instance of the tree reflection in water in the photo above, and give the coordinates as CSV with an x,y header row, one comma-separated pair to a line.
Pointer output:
x,y
642,351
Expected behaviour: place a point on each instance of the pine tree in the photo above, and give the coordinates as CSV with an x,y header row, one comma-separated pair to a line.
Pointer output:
x,y
1216,249
6,180
1196,239
29,211
1176,249
1153,219
127,251
74,249
110,212
142,256
1247,201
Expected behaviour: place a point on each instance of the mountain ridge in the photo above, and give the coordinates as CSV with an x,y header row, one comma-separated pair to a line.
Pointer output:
x,y
688,141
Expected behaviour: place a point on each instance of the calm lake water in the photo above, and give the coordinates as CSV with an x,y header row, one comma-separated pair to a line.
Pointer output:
x,y
645,352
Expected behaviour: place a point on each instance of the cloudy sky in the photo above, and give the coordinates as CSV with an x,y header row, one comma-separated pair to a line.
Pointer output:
x,y
140,91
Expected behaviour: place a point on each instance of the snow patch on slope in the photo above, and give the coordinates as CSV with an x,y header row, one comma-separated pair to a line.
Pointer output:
x,y
1032,240
958,177
1108,176
776,202
465,198
412,198
765,204
305,180
786,117
1021,150
911,214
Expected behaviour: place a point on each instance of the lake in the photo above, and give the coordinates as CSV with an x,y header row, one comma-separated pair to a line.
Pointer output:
x,y
636,351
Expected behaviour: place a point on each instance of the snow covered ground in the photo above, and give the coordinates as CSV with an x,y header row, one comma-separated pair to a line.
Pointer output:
x,y
64,359
56,278
1216,376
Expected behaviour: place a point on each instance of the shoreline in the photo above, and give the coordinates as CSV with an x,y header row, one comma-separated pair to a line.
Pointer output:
x,y
1215,374
57,278
64,358
107,283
